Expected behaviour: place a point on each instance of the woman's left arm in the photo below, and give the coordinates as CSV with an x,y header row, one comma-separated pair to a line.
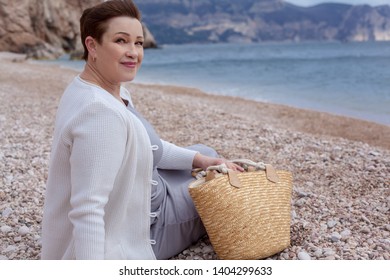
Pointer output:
x,y
175,157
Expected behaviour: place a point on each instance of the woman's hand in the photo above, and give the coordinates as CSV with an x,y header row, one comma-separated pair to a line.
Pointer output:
x,y
202,161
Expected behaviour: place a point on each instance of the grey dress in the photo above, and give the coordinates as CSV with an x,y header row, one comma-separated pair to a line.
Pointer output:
x,y
175,223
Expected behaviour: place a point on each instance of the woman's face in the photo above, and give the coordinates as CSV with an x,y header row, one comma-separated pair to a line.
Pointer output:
x,y
120,54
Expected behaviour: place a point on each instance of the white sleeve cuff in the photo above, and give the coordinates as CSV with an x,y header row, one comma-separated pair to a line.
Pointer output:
x,y
175,157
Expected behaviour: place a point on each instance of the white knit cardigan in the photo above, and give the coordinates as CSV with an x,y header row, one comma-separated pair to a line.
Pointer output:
x,y
97,203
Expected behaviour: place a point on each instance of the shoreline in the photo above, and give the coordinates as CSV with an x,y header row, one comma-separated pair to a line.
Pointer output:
x,y
340,166
342,113
284,116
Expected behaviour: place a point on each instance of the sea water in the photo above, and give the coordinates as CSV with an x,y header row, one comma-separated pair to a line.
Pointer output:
x,y
350,79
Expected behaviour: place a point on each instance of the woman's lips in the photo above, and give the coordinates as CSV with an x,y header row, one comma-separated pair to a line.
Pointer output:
x,y
129,64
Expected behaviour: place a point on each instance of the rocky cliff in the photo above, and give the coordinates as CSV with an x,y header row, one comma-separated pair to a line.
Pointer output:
x,y
44,28
184,21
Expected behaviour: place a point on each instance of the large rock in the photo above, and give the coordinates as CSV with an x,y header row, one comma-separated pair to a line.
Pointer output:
x,y
150,41
43,28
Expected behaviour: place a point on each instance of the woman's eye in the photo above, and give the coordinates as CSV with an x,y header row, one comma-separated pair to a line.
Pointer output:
x,y
121,41
140,43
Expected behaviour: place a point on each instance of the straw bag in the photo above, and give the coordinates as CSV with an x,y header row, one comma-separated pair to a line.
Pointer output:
x,y
247,214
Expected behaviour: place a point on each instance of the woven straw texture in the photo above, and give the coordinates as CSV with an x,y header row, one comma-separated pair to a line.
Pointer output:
x,y
251,222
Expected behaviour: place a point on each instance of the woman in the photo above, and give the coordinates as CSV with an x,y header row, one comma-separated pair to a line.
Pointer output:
x,y
115,190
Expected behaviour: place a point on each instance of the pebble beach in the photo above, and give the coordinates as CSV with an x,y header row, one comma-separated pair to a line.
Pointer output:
x,y
341,166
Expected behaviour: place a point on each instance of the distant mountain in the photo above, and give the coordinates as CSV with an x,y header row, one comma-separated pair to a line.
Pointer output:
x,y
187,21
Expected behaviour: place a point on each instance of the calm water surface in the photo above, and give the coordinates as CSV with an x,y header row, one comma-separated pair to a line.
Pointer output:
x,y
351,79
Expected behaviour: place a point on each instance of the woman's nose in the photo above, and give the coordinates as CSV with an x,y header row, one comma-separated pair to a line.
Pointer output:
x,y
131,51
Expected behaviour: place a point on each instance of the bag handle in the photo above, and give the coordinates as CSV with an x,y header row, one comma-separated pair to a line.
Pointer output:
x,y
268,168
248,165
222,168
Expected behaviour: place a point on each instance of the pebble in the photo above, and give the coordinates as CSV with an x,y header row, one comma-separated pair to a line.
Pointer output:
x,y
364,218
303,256
365,230
207,249
371,168
23,230
6,229
302,194
6,212
328,252
331,223
294,214
10,248
318,253
335,237
197,250
345,234
300,202
374,153
186,252
284,256
17,238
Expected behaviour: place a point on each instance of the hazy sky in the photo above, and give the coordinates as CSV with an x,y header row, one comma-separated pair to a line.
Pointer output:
x,y
353,2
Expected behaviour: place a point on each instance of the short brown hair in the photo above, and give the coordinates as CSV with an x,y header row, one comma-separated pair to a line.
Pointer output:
x,y
93,21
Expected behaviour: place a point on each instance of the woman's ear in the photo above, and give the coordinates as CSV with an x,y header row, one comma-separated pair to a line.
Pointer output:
x,y
90,43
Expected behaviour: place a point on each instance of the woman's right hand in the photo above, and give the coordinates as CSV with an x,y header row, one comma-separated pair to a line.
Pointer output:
x,y
202,161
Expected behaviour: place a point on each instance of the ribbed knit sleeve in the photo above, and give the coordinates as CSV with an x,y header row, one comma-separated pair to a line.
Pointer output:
x,y
175,157
98,138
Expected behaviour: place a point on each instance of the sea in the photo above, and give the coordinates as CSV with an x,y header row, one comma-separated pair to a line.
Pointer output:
x,y
348,79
